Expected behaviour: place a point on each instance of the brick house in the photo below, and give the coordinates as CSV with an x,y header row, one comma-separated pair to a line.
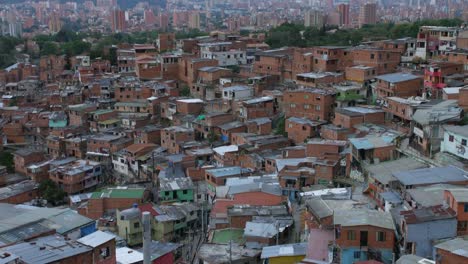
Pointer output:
x,y
97,119
302,61
300,129
218,176
360,73
257,108
457,199
450,251
23,158
189,68
380,144
348,117
333,132
76,176
463,98
260,126
435,76
112,199
401,109
148,134
166,42
189,106
315,104
383,61
459,56
320,148
170,66
103,245
147,67
78,114
317,79
364,234
276,62
329,59
208,124
19,193
45,249
172,137
398,84
126,61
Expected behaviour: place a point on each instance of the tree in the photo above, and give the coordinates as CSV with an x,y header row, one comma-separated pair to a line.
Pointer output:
x,y
212,137
6,159
49,48
185,91
281,127
51,192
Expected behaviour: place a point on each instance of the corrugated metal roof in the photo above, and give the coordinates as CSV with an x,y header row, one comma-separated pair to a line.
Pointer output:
x,y
298,249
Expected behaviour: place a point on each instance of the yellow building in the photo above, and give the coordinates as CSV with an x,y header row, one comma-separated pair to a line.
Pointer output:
x,y
130,226
284,254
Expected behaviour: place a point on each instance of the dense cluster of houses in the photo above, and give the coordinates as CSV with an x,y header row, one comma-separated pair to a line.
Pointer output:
x,y
239,153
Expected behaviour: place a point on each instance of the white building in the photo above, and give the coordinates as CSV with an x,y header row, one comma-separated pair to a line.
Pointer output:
x,y
455,141
223,53
237,92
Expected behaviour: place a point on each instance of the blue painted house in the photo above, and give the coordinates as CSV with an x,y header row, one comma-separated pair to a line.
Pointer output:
x,y
58,120
363,234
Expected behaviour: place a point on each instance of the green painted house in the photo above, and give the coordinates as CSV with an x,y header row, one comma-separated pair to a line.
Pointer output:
x,y
350,94
58,120
176,190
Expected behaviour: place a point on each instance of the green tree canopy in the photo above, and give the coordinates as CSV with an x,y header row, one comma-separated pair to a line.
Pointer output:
x,y
51,192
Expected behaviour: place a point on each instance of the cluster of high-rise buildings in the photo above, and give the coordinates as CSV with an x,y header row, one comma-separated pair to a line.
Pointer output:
x,y
108,16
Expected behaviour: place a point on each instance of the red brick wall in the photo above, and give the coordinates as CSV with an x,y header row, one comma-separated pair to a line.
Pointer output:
x,y
447,257
385,153
189,108
320,105
459,208
97,207
343,241
358,74
320,149
383,61
463,99
401,89
21,162
21,198
298,133
86,257
110,246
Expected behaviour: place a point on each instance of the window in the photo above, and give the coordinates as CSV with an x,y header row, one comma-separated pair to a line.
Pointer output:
x,y
372,56
292,105
461,225
184,191
290,125
464,142
357,254
104,252
317,107
306,96
136,225
380,236
351,235
465,208
451,138
306,106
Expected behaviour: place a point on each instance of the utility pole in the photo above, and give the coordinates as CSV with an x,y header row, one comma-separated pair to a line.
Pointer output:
x,y
278,232
230,242
146,238
155,177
